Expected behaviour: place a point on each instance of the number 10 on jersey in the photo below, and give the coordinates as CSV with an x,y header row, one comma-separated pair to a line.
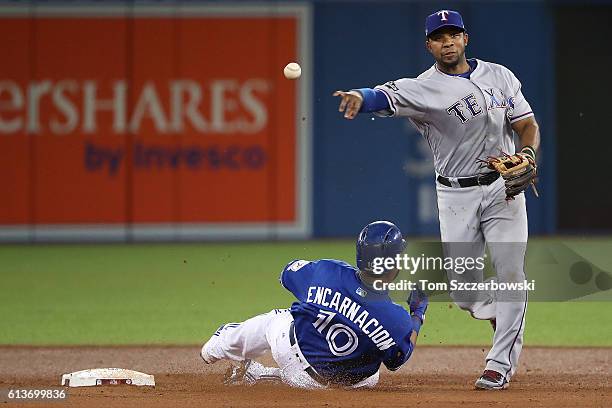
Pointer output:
x,y
338,346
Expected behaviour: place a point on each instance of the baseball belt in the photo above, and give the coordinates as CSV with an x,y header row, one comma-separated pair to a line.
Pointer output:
x,y
479,180
309,370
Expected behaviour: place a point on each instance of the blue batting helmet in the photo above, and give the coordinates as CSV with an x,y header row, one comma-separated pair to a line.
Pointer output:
x,y
379,239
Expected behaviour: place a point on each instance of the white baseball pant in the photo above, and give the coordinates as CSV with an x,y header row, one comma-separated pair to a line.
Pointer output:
x,y
478,215
268,332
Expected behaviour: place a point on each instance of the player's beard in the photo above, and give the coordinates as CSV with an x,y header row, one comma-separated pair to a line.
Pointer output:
x,y
450,64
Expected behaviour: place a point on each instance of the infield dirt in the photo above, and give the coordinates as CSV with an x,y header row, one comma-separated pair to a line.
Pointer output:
x,y
434,377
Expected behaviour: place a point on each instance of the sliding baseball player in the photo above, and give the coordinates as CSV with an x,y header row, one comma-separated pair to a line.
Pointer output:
x,y
340,329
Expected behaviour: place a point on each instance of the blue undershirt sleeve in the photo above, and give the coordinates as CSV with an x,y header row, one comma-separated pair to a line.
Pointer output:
x,y
374,100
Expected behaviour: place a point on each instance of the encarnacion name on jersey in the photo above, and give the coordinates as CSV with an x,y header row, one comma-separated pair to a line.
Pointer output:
x,y
354,312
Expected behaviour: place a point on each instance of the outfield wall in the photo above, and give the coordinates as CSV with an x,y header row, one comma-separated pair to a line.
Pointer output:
x,y
154,121
172,121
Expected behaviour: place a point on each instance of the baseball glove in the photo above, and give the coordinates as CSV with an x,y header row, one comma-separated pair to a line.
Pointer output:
x,y
519,171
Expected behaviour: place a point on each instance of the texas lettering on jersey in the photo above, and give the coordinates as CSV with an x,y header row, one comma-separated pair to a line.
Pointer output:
x,y
497,98
467,107
483,105
468,103
354,312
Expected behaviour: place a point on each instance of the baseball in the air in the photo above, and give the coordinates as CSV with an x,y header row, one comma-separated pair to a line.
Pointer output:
x,y
292,70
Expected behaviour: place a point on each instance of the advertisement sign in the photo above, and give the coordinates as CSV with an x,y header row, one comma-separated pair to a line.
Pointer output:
x,y
154,122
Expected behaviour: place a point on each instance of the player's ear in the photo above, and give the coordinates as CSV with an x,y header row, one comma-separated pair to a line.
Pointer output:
x,y
465,38
427,45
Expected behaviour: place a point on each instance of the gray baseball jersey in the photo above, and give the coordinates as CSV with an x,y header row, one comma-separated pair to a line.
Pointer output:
x,y
462,119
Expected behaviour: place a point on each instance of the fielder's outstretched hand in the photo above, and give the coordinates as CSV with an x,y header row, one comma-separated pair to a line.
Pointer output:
x,y
350,104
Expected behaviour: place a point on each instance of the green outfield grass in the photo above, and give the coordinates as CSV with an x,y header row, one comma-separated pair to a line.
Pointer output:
x,y
179,294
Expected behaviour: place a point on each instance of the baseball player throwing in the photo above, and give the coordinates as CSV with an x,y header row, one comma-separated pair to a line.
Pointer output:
x,y
339,330
467,110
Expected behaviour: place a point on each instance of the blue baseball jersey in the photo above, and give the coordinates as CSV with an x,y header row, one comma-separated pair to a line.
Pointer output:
x,y
345,329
